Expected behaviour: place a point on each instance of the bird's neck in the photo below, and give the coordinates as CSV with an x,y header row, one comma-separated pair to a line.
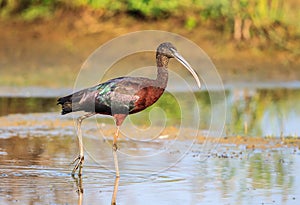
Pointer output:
x,y
162,71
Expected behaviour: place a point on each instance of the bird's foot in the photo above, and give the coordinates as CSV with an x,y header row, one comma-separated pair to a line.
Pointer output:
x,y
78,161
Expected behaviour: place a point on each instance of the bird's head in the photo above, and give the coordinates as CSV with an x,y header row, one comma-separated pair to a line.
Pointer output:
x,y
168,50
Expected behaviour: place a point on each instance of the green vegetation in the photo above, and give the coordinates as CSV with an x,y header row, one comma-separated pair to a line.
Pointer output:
x,y
27,10
270,20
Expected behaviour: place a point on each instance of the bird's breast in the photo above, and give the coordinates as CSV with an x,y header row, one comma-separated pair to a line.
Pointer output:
x,y
147,96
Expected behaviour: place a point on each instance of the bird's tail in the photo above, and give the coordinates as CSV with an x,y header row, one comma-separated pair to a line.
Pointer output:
x,y
68,104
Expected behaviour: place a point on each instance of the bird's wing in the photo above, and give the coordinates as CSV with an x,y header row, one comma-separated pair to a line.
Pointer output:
x,y
119,94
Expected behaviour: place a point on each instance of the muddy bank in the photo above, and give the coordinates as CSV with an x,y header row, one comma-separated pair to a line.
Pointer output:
x,y
50,53
55,125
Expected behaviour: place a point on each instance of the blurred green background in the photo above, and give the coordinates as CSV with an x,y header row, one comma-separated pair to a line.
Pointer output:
x,y
40,37
245,18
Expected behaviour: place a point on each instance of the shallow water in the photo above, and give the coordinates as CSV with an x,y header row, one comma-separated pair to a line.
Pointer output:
x,y
36,170
158,163
249,111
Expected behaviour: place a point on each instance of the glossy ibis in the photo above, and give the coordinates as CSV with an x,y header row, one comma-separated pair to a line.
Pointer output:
x,y
122,96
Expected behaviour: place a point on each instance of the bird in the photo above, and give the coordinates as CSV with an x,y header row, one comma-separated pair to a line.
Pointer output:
x,y
120,97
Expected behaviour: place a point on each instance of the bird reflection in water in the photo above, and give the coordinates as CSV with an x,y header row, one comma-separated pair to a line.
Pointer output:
x,y
78,182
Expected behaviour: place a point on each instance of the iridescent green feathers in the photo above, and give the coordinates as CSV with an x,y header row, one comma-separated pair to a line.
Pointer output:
x,y
112,97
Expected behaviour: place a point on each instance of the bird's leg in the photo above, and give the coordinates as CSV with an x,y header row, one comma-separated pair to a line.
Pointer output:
x,y
116,186
79,160
119,120
79,191
115,148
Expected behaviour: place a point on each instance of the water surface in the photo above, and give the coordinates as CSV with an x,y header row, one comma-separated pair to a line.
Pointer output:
x,y
249,111
36,170
37,145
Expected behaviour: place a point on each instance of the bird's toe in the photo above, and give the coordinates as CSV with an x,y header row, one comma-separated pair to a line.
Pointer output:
x,y
78,161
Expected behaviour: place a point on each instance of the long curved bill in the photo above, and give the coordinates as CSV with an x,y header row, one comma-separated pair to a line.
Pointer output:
x,y
187,66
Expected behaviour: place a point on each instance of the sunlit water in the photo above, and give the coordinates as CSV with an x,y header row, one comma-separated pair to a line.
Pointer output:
x,y
249,111
36,170
36,151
